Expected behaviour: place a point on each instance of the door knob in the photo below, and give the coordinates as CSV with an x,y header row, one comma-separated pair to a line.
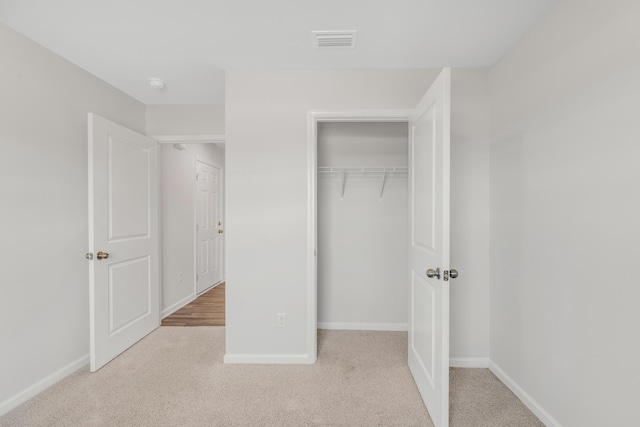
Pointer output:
x,y
220,231
453,273
102,255
434,273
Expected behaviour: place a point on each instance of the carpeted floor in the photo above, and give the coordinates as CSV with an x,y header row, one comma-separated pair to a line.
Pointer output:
x,y
175,377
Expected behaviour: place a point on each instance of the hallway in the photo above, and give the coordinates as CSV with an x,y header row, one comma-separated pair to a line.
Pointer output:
x,y
206,310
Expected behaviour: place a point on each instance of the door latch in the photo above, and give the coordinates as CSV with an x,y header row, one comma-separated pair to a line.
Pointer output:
x,y
449,273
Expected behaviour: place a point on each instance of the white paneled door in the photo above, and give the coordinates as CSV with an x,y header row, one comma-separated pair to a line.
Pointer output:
x,y
123,239
208,226
429,135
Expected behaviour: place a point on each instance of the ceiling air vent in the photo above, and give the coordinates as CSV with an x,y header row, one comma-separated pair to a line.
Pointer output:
x,y
333,39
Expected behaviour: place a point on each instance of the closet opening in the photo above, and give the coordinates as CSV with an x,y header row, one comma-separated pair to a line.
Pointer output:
x,y
362,225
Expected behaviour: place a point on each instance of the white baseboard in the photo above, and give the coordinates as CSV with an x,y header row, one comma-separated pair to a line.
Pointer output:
x,y
42,385
177,306
469,362
268,359
215,285
529,402
401,327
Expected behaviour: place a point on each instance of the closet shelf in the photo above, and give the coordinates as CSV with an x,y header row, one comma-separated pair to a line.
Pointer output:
x,y
380,170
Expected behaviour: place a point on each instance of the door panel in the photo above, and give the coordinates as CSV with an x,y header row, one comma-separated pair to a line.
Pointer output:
x,y
204,257
128,183
129,292
422,336
429,134
423,155
213,220
123,223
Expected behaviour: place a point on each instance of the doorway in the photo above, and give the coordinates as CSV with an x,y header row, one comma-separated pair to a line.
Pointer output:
x,y
362,225
192,218
316,119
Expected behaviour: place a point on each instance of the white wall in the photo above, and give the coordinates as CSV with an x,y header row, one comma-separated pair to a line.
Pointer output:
x,y
177,172
185,119
362,144
362,240
44,294
266,154
470,132
565,174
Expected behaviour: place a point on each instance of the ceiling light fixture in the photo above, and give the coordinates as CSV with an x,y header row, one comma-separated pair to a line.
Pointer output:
x,y
156,83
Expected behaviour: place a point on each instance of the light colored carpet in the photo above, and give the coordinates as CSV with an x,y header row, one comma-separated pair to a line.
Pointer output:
x,y
175,377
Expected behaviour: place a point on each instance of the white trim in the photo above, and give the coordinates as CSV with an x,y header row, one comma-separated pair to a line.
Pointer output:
x,y
160,247
215,285
529,402
269,359
400,327
312,246
43,384
177,306
186,139
469,362
399,115
313,117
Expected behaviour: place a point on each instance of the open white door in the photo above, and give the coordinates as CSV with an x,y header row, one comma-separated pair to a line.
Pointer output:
x,y
123,239
429,135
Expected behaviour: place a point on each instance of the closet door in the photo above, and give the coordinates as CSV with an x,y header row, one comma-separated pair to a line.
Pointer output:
x,y
429,136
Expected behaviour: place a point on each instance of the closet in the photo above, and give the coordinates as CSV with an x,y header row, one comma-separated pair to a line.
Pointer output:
x,y
362,225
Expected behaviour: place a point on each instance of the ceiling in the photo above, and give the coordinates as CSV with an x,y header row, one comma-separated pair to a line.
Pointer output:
x,y
190,43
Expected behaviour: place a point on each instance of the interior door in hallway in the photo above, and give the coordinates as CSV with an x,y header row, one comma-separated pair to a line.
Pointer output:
x,y
209,229
429,140
123,239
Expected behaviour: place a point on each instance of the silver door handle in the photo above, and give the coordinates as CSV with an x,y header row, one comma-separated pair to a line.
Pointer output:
x,y
434,273
453,273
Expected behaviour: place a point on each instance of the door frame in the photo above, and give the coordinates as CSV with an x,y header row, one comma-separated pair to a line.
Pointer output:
x,y
313,118
218,139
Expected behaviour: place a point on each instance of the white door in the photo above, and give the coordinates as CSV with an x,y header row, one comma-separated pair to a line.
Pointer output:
x,y
123,237
429,134
208,226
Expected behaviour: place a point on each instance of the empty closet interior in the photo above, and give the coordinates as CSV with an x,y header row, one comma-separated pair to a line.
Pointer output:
x,y
362,225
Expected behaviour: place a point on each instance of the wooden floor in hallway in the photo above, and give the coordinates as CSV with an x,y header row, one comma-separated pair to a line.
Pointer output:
x,y
206,310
